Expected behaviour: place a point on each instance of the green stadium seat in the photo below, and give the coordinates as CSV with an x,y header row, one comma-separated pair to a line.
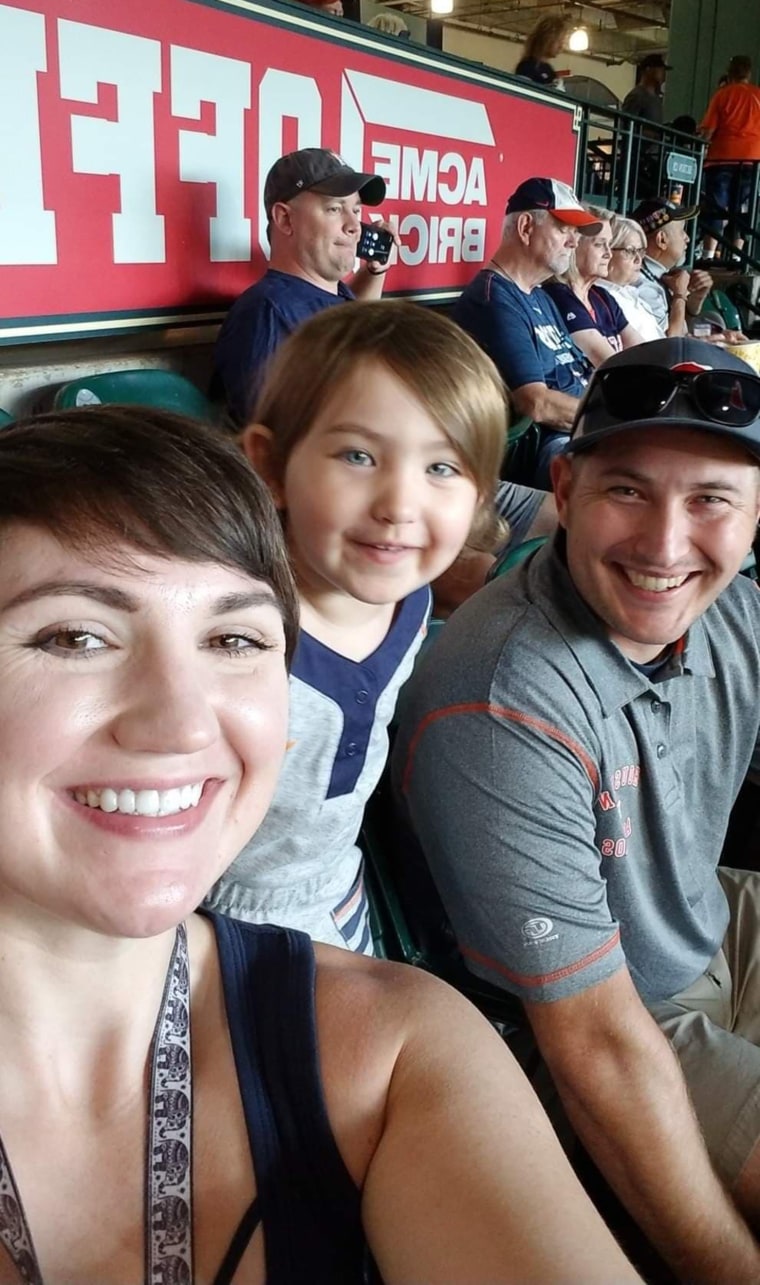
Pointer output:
x,y
5,418
161,389
516,554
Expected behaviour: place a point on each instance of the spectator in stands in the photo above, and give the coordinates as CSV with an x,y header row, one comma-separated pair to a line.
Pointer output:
x,y
183,1097
732,127
670,291
569,764
516,322
390,24
545,41
645,99
313,202
629,246
593,317
380,429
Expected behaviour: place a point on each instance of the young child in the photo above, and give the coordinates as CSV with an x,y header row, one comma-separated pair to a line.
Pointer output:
x,y
380,430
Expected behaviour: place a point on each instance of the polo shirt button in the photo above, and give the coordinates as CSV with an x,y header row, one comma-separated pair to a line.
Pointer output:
x,y
656,706
361,697
351,749
661,750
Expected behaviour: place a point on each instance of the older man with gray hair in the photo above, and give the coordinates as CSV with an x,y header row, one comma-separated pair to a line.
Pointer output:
x,y
518,325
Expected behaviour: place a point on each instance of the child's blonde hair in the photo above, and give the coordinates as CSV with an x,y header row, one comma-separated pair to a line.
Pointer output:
x,y
455,381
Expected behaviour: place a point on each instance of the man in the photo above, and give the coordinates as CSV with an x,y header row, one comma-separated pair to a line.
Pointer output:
x,y
669,291
313,203
731,126
569,764
517,324
645,99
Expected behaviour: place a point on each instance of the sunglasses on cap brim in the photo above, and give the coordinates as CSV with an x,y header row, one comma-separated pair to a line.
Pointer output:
x,y
643,392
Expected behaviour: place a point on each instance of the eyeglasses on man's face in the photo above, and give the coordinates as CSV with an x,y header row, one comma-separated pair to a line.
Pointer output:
x,y
634,252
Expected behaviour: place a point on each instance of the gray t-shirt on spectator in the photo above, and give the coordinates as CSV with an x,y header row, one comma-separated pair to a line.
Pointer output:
x,y
639,102
571,807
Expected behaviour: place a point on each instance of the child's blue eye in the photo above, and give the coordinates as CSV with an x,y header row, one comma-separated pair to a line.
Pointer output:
x,y
444,470
362,458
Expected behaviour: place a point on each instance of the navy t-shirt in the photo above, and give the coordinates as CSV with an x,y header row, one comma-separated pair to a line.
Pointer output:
x,y
542,72
256,324
522,333
604,313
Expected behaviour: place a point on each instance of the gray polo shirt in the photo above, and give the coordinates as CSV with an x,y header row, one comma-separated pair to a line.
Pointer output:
x,y
572,808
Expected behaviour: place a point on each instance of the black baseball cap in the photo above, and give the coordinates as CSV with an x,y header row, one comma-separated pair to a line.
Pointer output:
x,y
658,211
317,169
654,60
670,383
556,197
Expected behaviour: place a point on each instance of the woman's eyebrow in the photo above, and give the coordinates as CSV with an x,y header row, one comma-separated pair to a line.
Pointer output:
x,y
121,601
105,594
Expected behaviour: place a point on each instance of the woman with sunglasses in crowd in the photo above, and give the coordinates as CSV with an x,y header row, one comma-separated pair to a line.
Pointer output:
x,y
185,1098
629,245
593,317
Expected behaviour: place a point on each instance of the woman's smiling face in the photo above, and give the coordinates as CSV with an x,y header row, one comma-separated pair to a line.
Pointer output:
x,y
143,708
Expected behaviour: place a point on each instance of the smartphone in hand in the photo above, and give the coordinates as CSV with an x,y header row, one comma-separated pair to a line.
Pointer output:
x,y
375,243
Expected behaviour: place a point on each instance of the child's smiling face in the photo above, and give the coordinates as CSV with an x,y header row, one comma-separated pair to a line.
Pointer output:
x,y
378,499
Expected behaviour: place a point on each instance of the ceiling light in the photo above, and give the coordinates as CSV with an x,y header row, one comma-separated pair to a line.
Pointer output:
x,y
578,42
441,6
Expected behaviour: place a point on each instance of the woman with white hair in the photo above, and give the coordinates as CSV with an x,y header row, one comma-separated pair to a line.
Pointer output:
x,y
629,246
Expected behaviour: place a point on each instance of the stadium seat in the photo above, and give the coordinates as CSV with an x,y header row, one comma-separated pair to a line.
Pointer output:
x,y
162,389
5,419
514,554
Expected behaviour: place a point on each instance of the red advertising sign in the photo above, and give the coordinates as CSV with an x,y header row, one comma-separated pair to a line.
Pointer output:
x,y
136,140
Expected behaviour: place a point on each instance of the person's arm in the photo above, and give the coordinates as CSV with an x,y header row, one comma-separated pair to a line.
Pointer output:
x,y
623,1091
468,1182
630,336
545,406
367,284
699,287
677,285
596,347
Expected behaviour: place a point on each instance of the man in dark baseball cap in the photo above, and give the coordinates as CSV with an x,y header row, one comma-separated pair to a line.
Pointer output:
x,y
645,99
572,783
671,292
317,169
312,202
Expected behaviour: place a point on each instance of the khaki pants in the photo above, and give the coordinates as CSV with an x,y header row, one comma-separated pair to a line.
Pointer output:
x,y
714,1027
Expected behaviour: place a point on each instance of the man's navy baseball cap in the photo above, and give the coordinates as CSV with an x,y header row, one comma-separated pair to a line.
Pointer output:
x,y
658,211
670,383
317,169
559,199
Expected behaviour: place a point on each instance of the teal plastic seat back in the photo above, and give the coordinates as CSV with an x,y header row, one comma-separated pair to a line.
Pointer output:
x,y
5,419
161,389
718,301
515,555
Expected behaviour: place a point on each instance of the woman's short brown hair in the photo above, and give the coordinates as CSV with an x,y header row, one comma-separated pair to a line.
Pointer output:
x,y
104,476
444,368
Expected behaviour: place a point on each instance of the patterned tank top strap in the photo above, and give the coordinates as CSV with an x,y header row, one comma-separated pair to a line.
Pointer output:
x,y
309,1204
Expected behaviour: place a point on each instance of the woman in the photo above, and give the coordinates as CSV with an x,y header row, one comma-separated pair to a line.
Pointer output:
x,y
731,126
593,318
147,615
545,41
629,246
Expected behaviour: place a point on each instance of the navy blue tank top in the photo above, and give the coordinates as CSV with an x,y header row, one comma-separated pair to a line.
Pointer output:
x,y
307,1201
